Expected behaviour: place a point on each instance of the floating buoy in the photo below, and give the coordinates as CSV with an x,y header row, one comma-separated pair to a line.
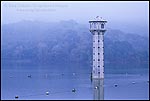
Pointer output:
x,y
16,97
10,76
73,90
47,93
29,76
133,82
62,74
74,74
116,85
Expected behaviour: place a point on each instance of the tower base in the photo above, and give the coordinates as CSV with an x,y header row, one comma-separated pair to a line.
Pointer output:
x,y
98,89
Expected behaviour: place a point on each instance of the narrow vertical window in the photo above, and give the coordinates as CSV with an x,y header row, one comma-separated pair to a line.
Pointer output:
x,y
94,25
102,26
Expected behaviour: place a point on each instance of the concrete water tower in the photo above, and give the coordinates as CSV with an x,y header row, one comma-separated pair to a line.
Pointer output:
x,y
97,28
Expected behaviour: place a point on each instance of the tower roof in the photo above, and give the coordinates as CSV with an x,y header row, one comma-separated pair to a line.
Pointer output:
x,y
97,19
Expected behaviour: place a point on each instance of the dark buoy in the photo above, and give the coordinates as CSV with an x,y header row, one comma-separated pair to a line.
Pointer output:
x,y
73,90
29,76
116,85
16,97
47,93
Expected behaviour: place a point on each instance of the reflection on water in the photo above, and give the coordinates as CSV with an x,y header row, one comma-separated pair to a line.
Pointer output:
x,y
98,89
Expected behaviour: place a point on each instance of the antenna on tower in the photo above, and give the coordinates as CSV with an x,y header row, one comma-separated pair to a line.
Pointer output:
x,y
97,17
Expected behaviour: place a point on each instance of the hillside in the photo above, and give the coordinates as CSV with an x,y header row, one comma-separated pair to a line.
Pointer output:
x,y
67,42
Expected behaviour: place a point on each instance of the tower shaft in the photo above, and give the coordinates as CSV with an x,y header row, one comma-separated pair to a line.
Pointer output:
x,y
98,55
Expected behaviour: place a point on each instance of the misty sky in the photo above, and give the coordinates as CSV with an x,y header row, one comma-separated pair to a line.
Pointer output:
x,y
121,13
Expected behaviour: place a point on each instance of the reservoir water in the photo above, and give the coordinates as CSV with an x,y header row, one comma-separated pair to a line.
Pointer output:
x,y
62,82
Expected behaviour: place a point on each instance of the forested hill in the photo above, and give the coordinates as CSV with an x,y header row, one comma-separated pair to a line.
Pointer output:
x,y
67,42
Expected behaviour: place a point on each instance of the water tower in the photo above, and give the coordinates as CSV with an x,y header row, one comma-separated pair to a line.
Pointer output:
x,y
97,28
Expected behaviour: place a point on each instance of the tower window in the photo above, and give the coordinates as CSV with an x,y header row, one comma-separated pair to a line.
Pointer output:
x,y
98,72
93,59
98,47
98,41
98,66
102,25
94,25
93,53
98,59
98,53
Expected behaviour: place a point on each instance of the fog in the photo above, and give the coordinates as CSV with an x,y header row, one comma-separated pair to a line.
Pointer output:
x,y
126,16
